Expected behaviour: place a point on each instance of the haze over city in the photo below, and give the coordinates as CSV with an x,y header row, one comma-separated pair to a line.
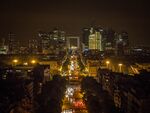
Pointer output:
x,y
26,18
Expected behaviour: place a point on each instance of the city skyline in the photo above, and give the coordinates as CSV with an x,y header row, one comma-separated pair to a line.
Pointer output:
x,y
74,56
27,18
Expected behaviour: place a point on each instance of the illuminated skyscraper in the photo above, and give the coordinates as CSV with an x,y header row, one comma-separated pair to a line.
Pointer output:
x,y
44,42
92,41
57,34
52,42
95,40
58,41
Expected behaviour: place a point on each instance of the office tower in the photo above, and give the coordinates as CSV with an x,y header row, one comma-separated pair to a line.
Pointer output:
x,y
52,42
3,47
85,38
13,45
58,42
122,43
57,34
44,42
95,40
109,34
33,46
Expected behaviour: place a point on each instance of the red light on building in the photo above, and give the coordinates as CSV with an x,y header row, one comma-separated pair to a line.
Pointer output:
x,y
79,104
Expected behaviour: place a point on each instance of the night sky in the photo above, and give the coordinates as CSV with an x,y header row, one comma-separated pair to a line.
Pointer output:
x,y
27,17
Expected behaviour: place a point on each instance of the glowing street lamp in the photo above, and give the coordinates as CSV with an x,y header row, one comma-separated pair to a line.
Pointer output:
x,y
15,61
60,69
120,67
107,63
33,61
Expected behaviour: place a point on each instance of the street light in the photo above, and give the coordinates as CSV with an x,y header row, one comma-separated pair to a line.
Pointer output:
x,y
107,63
60,69
33,61
120,67
120,64
15,61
